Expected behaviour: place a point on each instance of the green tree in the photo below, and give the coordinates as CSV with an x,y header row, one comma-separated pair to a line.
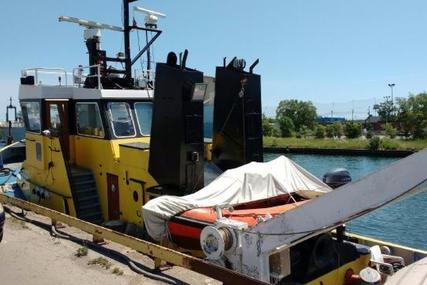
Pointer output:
x,y
286,126
386,110
329,131
374,143
412,115
338,130
352,130
304,131
320,131
390,131
275,132
302,113
334,130
267,126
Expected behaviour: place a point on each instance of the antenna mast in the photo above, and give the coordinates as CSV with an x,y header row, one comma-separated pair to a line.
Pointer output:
x,y
126,30
99,57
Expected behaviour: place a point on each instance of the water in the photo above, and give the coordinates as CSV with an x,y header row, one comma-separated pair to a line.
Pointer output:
x,y
403,222
18,133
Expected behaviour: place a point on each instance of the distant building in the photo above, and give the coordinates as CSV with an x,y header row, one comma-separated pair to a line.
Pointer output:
x,y
374,121
329,120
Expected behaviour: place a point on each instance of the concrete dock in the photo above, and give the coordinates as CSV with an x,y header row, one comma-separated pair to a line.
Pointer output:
x,y
30,255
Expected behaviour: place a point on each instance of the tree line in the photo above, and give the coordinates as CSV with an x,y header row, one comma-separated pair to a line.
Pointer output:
x,y
407,117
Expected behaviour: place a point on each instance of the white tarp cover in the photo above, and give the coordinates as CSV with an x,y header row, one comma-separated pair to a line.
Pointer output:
x,y
250,182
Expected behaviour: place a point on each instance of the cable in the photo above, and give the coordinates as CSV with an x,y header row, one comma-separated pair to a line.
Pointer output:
x,y
139,49
228,117
285,234
133,265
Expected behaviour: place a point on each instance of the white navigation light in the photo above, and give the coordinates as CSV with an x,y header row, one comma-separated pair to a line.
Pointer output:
x,y
151,17
90,24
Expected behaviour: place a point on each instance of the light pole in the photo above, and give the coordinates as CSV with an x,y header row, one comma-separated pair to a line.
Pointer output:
x,y
391,85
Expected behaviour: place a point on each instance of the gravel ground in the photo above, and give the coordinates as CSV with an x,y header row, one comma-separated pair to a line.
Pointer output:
x,y
30,255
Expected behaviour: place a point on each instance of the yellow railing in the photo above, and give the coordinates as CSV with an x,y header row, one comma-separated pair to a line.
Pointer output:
x,y
151,249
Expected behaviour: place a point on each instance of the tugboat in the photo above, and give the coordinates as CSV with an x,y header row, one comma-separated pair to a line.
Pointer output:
x,y
101,145
87,141
126,151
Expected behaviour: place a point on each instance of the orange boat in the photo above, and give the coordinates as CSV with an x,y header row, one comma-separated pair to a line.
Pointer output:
x,y
185,228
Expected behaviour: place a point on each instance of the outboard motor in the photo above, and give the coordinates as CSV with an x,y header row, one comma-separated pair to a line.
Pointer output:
x,y
176,144
337,177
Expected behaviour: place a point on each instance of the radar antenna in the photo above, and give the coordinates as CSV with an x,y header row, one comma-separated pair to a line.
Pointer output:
x,y
151,17
90,24
92,35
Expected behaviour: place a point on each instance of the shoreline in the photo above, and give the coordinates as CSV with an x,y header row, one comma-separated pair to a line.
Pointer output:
x,y
339,151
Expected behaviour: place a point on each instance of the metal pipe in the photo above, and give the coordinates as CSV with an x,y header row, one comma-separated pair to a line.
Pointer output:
x,y
184,59
251,68
126,30
230,64
99,76
148,55
141,52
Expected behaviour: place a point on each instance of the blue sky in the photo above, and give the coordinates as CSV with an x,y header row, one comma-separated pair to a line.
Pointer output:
x,y
327,51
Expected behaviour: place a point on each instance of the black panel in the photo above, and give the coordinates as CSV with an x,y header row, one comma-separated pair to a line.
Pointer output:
x,y
176,146
29,80
237,127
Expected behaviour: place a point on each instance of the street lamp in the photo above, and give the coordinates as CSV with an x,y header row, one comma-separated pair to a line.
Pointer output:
x,y
391,85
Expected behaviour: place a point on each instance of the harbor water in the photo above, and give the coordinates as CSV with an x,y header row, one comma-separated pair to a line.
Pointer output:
x,y
402,222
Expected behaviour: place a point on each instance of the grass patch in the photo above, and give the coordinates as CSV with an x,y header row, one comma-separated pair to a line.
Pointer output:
x,y
328,143
101,261
82,251
117,271
316,143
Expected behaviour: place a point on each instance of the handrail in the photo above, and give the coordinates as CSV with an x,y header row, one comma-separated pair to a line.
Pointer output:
x,y
38,70
143,77
76,73
80,74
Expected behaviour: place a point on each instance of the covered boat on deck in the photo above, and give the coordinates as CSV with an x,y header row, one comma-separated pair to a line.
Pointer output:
x,y
251,193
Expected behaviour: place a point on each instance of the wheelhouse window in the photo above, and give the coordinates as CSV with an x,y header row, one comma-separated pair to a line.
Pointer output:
x,y
144,114
31,116
55,121
89,121
121,119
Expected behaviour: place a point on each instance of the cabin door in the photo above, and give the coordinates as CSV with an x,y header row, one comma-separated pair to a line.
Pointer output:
x,y
57,123
113,197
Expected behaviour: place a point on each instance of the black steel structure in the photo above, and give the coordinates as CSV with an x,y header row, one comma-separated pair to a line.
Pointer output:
x,y
176,144
237,127
111,78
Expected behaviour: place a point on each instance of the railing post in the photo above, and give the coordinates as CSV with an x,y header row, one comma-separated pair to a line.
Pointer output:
x,y
66,77
99,76
36,75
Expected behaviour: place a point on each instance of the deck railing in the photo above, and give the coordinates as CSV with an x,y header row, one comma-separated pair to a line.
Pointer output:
x,y
60,77
79,77
39,73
